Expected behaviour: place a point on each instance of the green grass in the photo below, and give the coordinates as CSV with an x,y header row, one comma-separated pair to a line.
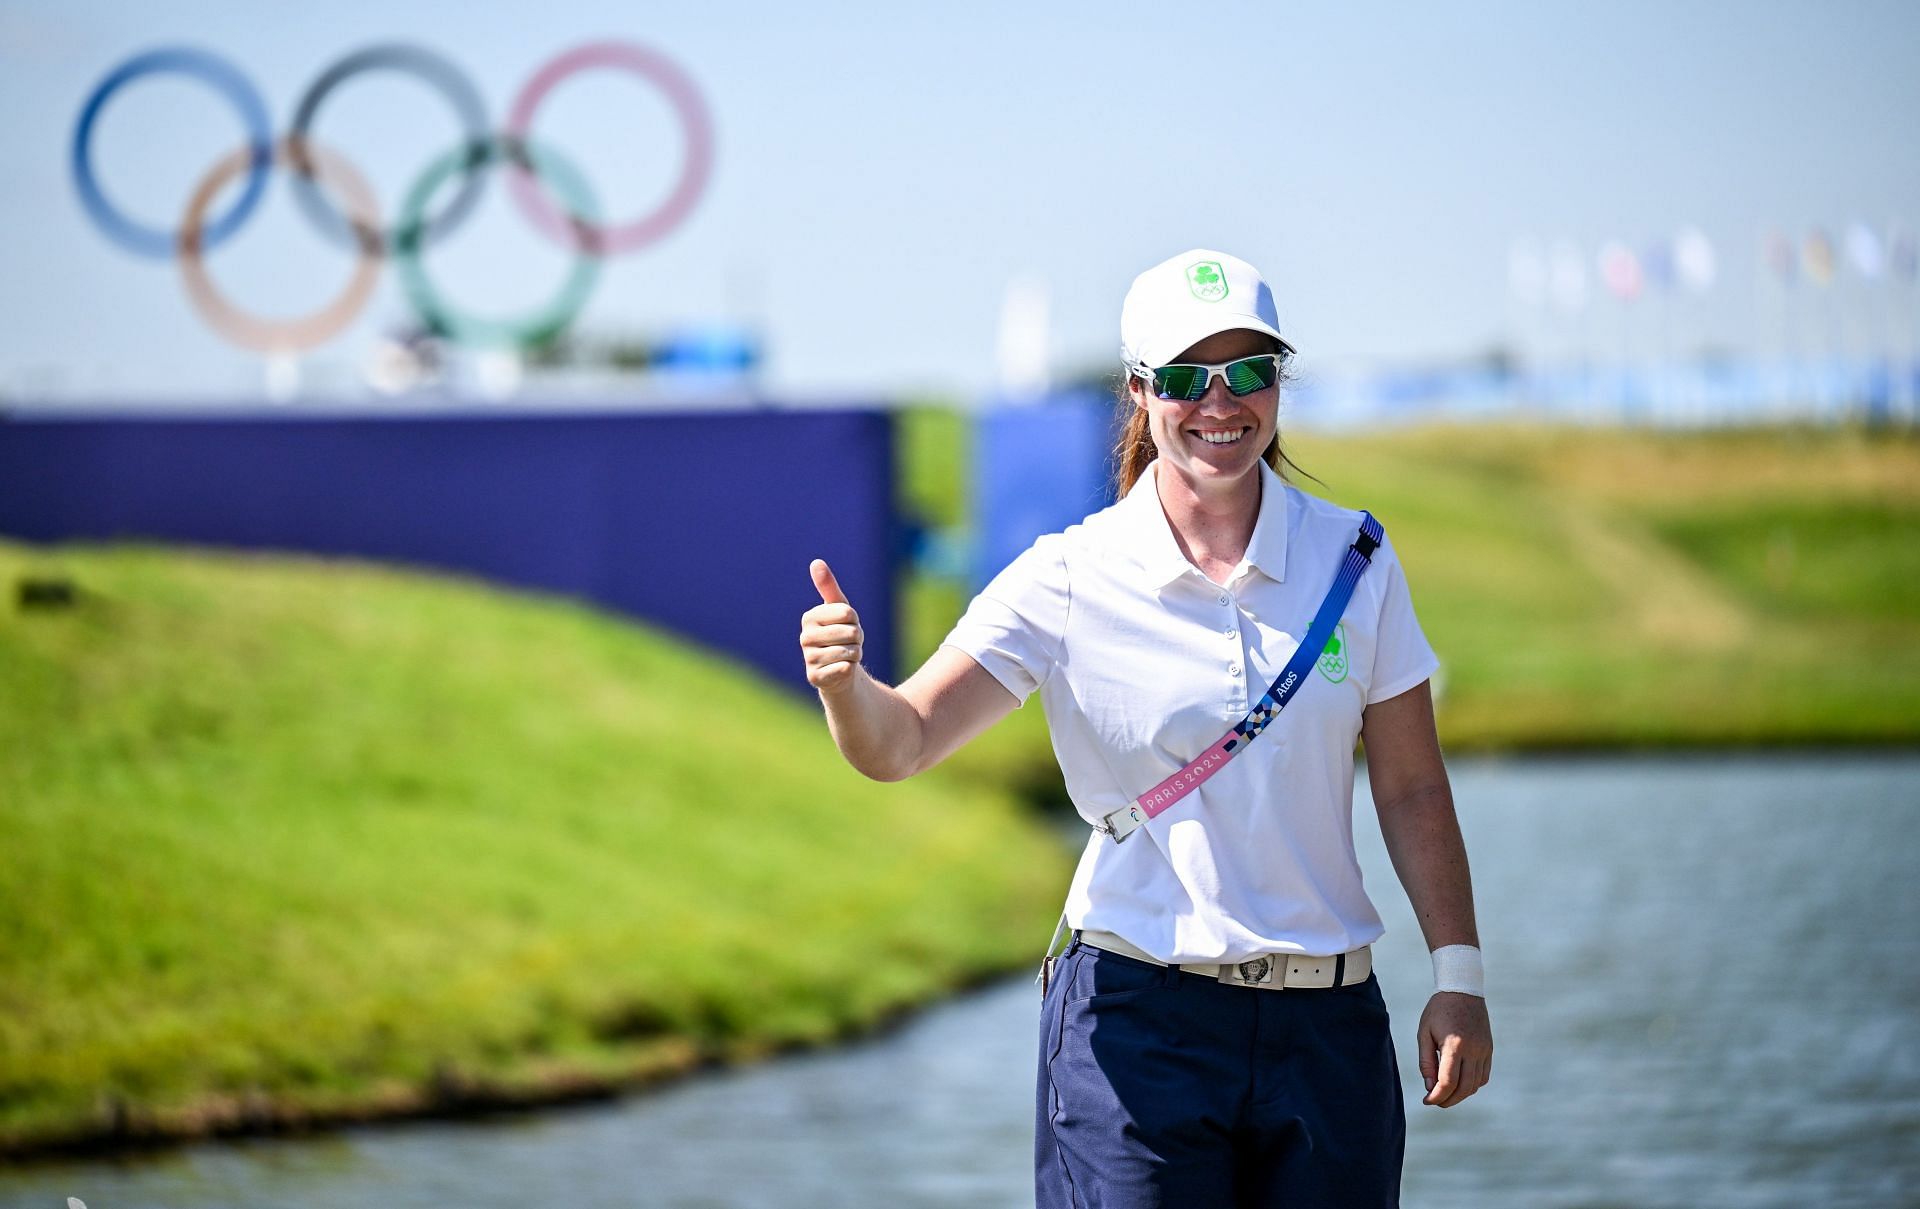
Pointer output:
x,y
287,836
1850,560
934,446
1591,588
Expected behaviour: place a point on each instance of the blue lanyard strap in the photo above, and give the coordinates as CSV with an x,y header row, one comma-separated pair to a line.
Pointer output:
x,y
1359,558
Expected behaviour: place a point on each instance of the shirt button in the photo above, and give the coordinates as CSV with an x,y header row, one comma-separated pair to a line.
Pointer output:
x,y
1233,669
1233,633
1223,599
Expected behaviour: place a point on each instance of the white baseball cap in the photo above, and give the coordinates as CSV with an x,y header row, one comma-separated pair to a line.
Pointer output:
x,y
1183,300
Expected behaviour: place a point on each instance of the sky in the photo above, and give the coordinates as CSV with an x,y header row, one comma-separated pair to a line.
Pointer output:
x,y
884,173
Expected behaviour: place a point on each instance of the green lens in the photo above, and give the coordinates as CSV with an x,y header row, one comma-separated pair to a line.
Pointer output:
x,y
1180,381
1254,373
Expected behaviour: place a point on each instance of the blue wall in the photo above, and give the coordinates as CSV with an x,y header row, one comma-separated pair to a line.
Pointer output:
x,y
1037,469
703,523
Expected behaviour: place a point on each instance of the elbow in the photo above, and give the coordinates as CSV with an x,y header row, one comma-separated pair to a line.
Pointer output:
x,y
893,752
885,771
906,757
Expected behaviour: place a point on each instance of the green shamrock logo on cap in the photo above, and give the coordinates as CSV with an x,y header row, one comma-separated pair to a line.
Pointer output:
x,y
1208,280
1333,661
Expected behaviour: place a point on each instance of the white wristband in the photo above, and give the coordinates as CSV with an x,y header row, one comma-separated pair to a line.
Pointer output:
x,y
1457,968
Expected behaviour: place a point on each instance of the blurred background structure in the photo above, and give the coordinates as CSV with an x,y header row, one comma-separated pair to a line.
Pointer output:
x,y
415,424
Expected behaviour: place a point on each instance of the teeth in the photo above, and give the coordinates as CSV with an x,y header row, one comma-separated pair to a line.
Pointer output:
x,y
1221,438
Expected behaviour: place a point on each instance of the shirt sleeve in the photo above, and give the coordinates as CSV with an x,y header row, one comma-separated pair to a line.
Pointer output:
x,y
1402,657
1015,626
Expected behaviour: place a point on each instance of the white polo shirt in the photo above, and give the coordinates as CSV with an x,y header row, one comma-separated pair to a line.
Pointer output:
x,y
1142,663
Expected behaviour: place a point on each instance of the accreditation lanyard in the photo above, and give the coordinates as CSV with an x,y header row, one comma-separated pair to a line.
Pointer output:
x,y
1121,823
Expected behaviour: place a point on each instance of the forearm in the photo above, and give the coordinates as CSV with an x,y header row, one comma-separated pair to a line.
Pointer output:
x,y
1423,840
876,729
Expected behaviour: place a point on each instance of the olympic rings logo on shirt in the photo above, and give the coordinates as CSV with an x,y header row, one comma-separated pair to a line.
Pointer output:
x,y
550,191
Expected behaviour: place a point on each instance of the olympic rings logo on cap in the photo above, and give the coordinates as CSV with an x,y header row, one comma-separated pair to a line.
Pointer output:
x,y
550,191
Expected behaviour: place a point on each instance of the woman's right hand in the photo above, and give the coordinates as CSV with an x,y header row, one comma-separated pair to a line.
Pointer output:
x,y
830,635
890,734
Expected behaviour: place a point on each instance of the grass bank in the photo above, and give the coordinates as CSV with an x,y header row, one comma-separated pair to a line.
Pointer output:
x,y
1597,588
286,840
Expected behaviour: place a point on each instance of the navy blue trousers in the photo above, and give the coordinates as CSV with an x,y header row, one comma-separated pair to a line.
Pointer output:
x,y
1163,1088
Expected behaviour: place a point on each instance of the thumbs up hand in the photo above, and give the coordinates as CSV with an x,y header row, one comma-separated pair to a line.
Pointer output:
x,y
830,634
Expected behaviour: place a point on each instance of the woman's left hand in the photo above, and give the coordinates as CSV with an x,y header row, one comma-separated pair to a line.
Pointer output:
x,y
1456,1047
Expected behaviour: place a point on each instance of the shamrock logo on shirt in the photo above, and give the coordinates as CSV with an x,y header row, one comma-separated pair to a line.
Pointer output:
x,y
1333,660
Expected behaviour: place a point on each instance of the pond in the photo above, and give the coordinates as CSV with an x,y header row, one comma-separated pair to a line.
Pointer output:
x,y
1704,973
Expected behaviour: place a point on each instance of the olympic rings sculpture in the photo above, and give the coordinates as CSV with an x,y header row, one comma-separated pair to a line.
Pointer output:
x,y
551,192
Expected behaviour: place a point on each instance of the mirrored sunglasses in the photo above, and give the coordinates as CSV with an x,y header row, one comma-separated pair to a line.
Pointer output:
x,y
1189,382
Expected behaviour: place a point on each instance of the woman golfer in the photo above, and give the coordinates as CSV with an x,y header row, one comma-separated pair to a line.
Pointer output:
x,y
1207,650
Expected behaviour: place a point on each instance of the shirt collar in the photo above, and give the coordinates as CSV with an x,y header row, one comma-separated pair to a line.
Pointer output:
x,y
1149,533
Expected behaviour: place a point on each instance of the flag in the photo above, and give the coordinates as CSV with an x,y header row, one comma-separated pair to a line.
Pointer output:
x,y
1656,264
1693,259
1781,258
1620,270
1816,257
1864,251
1903,258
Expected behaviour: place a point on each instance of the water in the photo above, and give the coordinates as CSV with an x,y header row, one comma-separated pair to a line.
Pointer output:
x,y
1704,977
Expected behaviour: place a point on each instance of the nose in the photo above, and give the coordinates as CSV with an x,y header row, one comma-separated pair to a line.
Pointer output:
x,y
1218,398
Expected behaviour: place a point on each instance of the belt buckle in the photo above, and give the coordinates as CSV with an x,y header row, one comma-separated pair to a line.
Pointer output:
x,y
1257,972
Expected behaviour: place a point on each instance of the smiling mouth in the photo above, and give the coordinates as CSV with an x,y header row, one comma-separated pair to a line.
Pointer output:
x,y
1220,436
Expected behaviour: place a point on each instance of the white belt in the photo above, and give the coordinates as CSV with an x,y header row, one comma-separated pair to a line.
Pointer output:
x,y
1269,971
